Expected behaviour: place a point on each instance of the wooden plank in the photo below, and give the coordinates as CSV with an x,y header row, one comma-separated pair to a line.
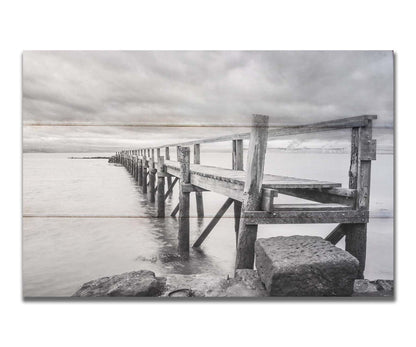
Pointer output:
x,y
185,175
336,235
231,190
310,207
252,191
305,217
198,195
170,189
238,177
333,195
213,222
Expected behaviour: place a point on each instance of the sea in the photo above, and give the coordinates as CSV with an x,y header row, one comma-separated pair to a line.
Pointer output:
x,y
86,218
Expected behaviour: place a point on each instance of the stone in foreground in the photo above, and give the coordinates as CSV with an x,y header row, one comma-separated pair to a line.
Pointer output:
x,y
136,283
305,266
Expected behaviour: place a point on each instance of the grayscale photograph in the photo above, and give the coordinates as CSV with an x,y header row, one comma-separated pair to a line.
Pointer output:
x,y
208,174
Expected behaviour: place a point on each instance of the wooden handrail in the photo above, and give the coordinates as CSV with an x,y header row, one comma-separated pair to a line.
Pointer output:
x,y
337,124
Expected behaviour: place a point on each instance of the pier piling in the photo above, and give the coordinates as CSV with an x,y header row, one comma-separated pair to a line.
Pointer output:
x,y
184,176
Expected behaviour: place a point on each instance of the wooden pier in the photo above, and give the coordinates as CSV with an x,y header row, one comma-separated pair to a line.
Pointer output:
x,y
254,194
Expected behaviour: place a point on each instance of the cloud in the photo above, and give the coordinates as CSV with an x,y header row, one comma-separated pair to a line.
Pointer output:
x,y
193,88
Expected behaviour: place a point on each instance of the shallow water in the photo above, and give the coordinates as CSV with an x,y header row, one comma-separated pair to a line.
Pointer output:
x,y
68,237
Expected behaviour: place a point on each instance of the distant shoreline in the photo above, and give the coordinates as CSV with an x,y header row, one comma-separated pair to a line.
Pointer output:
x,y
88,157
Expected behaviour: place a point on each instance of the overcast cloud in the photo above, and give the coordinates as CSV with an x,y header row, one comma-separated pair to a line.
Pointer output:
x,y
222,89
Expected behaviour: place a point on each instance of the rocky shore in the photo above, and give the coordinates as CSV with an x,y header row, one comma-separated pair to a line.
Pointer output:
x,y
245,284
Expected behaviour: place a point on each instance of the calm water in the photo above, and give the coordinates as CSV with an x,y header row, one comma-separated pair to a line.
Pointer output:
x,y
64,246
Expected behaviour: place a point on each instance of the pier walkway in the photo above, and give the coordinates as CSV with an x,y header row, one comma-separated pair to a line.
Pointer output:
x,y
254,193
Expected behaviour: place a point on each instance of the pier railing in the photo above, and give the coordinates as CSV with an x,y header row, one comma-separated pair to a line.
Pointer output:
x,y
252,193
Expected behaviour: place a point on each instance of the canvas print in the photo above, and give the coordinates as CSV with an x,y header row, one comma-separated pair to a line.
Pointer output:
x,y
208,174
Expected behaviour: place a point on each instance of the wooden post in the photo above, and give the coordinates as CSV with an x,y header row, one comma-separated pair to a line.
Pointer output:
x,y
140,172
161,187
360,175
184,175
252,190
198,195
152,179
169,178
237,164
144,177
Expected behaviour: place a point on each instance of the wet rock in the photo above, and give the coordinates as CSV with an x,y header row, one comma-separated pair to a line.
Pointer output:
x,y
373,288
305,266
137,283
246,283
200,285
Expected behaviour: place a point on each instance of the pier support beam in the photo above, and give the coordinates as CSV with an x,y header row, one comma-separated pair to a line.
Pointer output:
x,y
168,178
161,187
152,180
213,222
198,195
183,235
144,177
363,150
237,164
252,190
140,173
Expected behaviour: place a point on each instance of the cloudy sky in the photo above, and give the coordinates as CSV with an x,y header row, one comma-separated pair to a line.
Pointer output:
x,y
105,101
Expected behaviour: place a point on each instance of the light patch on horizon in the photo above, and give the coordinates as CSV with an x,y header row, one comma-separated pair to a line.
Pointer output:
x,y
194,88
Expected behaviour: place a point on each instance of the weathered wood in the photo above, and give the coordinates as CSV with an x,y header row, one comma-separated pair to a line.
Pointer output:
x,y
161,187
356,235
333,195
170,188
337,234
267,199
237,157
338,124
252,191
152,181
169,178
198,195
356,243
144,176
140,173
175,210
185,175
238,177
189,188
305,217
213,222
237,164
310,207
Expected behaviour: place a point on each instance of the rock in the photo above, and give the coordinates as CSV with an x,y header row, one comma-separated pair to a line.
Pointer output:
x,y
246,284
305,266
373,288
199,285
136,283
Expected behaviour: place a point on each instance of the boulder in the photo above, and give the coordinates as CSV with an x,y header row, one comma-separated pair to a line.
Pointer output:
x,y
246,283
305,266
136,283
